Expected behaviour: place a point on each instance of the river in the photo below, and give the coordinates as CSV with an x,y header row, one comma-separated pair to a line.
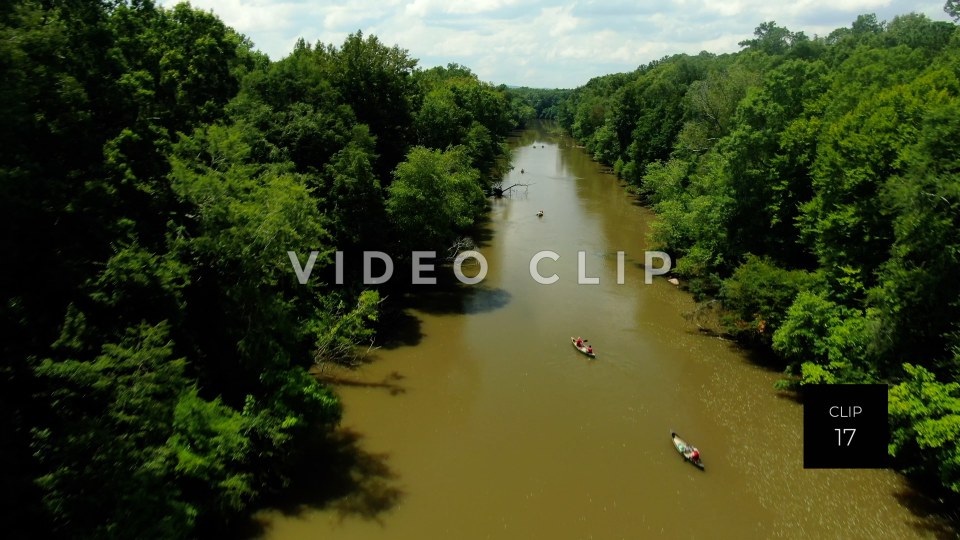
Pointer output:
x,y
486,423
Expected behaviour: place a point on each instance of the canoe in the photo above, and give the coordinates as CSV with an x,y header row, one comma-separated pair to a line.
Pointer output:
x,y
683,448
582,348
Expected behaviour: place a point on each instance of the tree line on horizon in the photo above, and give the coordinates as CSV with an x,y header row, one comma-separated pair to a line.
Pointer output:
x,y
810,187
154,171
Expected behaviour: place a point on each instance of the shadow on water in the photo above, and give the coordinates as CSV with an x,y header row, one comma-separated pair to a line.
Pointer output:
x,y
398,328
460,300
448,296
934,518
390,383
637,198
482,232
340,477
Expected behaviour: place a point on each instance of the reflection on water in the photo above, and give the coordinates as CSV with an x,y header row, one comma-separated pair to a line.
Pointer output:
x,y
481,421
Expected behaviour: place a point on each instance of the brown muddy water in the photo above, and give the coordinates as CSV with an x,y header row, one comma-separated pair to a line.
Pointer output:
x,y
487,423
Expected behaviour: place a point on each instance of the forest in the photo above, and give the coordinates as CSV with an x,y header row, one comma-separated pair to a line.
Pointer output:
x,y
809,188
155,169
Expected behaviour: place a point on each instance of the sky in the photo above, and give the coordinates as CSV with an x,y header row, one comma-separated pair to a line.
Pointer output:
x,y
540,43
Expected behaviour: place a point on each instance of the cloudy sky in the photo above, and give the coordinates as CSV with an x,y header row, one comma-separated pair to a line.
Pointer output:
x,y
542,43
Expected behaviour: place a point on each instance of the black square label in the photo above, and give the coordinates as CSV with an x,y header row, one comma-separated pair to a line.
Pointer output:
x,y
845,426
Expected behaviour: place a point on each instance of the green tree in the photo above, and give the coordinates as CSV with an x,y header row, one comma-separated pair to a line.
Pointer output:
x,y
952,8
694,225
376,82
769,149
434,195
916,294
105,444
769,38
845,222
354,200
925,426
713,101
658,105
825,342
758,295
91,96
918,32
440,121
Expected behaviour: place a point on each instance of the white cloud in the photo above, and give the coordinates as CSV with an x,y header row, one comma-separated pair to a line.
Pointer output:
x,y
557,21
423,8
251,16
538,42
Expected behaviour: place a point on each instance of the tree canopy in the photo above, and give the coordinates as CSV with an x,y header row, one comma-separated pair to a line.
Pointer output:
x,y
155,170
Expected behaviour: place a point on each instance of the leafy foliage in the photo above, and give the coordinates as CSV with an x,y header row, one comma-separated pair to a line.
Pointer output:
x,y
433,196
952,8
758,294
155,171
925,418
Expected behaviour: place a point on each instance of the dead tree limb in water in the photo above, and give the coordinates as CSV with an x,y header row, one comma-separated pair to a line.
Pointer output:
x,y
459,245
499,191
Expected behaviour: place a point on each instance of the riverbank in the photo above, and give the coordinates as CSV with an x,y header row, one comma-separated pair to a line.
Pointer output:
x,y
489,424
